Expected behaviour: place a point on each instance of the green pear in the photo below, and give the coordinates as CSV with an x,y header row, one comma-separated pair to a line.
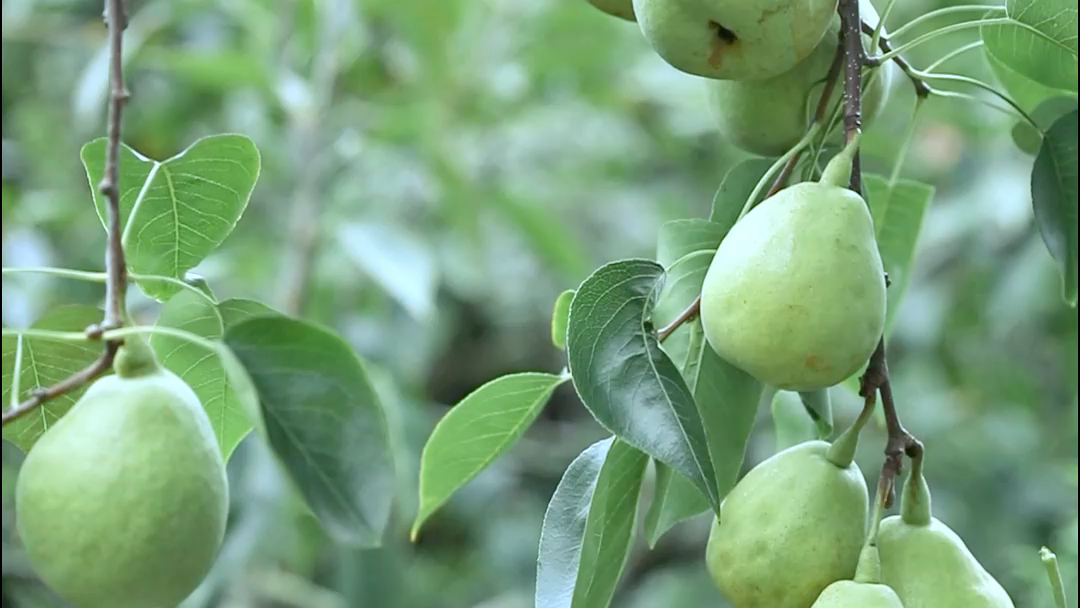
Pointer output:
x,y
123,502
623,9
791,527
865,591
768,117
795,295
734,39
927,563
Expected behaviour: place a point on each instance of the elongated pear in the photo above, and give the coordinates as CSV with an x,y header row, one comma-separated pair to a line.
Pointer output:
x,y
795,295
734,39
791,527
865,590
123,502
927,563
768,117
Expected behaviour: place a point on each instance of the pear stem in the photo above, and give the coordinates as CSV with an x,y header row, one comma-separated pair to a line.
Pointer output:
x,y
115,264
915,505
1050,562
842,452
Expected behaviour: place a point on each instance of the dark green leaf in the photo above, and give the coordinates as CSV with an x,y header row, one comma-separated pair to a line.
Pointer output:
x,y
588,527
791,423
623,377
1053,194
476,431
323,420
560,318
1029,138
674,499
898,213
45,362
736,188
176,212
237,310
199,368
818,405
1040,43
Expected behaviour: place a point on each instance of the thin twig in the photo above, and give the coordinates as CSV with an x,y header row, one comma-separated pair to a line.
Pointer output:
x,y
691,311
854,58
922,88
72,382
115,265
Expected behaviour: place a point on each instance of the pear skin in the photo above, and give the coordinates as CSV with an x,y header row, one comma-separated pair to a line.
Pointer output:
x,y
851,594
123,502
795,295
768,117
734,39
791,527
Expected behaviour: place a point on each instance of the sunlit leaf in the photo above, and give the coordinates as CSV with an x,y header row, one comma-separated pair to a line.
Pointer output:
x,y
43,363
560,317
236,310
1040,43
476,431
176,212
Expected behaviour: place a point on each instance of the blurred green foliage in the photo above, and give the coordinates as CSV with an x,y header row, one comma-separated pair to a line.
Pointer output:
x,y
434,174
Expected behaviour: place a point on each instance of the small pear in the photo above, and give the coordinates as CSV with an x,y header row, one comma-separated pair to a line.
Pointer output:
x,y
734,39
795,295
791,527
123,502
865,591
927,563
623,9
768,117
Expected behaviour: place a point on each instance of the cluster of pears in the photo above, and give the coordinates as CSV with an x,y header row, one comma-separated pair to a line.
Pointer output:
x,y
123,502
793,533
765,62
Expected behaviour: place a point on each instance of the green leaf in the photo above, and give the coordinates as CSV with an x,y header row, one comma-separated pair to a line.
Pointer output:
x,y
736,188
45,362
623,377
1053,195
202,370
1027,93
476,431
176,212
324,422
792,424
237,310
726,397
560,318
680,238
589,526
898,214
818,405
1029,138
1040,43
397,260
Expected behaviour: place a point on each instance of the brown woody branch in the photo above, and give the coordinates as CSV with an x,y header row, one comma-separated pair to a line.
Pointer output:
x,y
922,88
115,265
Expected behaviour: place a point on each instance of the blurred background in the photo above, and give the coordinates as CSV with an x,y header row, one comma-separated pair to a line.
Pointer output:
x,y
434,174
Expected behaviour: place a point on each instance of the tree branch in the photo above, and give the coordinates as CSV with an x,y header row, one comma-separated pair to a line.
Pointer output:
x,y
115,265
691,311
854,57
922,88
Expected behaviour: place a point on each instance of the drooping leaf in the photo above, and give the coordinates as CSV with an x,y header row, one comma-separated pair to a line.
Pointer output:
x,y
726,397
898,213
792,424
42,363
1029,138
476,431
588,527
560,317
323,420
818,405
395,259
200,368
1053,195
623,377
737,186
1040,43
237,310
1027,93
176,212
